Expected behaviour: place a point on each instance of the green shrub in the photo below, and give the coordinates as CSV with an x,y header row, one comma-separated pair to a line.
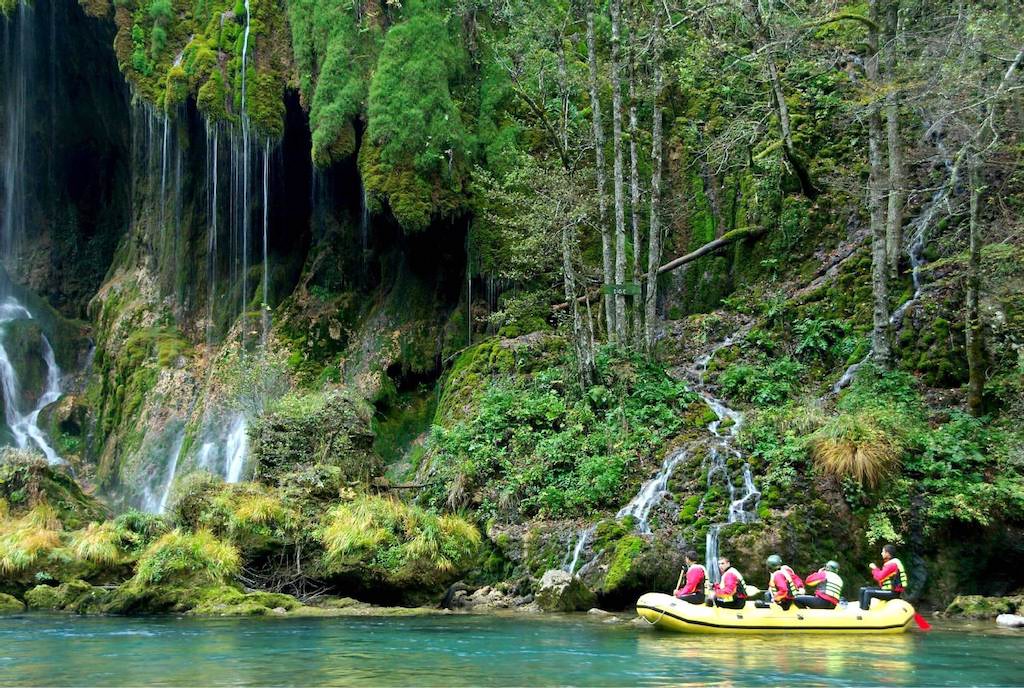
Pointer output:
x,y
180,557
769,384
536,444
387,540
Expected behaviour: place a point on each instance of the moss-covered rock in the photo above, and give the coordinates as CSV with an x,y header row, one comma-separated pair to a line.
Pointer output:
x,y
292,438
980,607
73,596
10,604
559,591
26,481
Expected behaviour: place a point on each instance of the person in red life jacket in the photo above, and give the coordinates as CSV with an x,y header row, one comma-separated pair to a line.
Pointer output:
x,y
731,593
696,578
891,579
828,588
783,583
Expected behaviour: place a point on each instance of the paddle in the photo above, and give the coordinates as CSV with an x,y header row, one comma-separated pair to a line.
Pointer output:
x,y
680,581
921,623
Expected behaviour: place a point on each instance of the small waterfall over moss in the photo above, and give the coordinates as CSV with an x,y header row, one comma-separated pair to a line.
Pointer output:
x,y
24,426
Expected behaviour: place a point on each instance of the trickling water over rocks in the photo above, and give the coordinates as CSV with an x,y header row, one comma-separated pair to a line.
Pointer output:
x,y
743,499
24,426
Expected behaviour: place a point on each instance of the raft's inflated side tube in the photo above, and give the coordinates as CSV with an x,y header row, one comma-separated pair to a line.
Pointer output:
x,y
669,613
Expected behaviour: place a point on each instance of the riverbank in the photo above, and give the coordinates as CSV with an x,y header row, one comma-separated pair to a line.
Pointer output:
x,y
455,650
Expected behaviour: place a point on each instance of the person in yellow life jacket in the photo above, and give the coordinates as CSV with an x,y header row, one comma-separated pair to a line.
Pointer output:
x,y
783,583
731,593
891,577
828,588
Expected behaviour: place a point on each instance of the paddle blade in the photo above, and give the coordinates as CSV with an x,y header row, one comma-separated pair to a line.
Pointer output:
x,y
921,623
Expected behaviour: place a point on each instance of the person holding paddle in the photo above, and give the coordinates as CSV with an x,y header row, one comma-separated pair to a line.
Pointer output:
x,y
696,579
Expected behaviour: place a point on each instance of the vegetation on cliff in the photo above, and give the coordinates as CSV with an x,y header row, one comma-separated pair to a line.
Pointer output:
x,y
478,308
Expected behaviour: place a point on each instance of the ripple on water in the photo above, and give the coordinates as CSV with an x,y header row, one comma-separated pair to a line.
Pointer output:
x,y
457,651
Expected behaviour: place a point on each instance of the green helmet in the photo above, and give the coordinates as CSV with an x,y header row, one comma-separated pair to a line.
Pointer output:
x,y
832,566
774,561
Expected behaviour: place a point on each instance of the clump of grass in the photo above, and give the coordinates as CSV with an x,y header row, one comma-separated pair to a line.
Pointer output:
x,y
862,445
258,510
98,543
397,542
194,557
138,530
26,540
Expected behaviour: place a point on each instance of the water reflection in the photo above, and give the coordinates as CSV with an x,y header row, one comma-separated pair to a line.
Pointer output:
x,y
889,657
468,650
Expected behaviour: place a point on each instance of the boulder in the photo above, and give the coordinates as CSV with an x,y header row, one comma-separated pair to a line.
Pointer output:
x,y
10,604
979,607
559,591
1010,620
43,597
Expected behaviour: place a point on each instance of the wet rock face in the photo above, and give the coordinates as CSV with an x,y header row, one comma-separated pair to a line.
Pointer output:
x,y
559,591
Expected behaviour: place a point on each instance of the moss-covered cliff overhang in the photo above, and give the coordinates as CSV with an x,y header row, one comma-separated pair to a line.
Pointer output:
x,y
232,58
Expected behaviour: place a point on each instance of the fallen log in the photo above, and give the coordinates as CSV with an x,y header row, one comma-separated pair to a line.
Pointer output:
x,y
731,237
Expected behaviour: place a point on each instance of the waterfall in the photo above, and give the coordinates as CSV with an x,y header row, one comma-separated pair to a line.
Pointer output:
x,y
573,556
265,309
236,448
743,501
213,201
742,509
156,502
25,426
651,492
164,161
17,59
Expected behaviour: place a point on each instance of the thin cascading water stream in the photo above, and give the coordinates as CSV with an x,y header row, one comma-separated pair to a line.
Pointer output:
x,y
743,500
265,309
742,509
17,54
156,497
236,449
915,255
652,492
24,427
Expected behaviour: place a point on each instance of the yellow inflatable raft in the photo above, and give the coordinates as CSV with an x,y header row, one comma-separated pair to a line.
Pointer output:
x,y
669,613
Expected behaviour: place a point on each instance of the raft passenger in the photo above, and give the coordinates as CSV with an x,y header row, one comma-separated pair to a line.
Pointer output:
x,y
783,583
892,577
731,593
828,587
696,580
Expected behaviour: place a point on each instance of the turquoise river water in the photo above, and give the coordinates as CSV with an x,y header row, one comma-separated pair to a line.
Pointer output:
x,y
480,650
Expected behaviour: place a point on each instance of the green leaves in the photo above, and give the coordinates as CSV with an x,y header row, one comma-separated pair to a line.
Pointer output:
x,y
559,450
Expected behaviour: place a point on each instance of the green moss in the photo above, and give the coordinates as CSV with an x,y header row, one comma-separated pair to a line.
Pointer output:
x,y
627,549
10,604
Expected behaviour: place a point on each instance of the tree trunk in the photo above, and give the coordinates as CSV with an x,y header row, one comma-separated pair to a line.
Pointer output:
x,y
763,43
634,206
975,356
894,219
580,337
620,211
602,202
654,224
877,186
